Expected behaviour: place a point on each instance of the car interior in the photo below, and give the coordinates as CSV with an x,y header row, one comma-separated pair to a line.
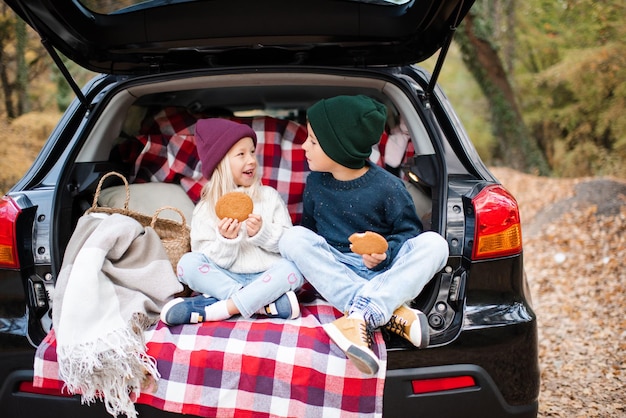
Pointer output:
x,y
142,123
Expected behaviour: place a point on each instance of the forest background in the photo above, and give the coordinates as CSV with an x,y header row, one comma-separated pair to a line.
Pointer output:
x,y
540,85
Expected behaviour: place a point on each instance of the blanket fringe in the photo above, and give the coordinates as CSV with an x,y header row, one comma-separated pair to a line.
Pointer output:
x,y
112,369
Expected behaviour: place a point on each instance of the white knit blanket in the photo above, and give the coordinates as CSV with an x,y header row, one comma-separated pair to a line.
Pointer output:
x,y
114,280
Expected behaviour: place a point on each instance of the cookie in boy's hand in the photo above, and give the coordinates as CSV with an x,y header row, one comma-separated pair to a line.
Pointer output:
x,y
368,242
234,205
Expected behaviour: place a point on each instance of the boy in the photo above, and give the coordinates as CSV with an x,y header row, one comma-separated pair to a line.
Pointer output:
x,y
344,194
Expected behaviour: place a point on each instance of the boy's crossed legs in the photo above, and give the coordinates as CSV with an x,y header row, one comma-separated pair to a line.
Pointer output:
x,y
370,299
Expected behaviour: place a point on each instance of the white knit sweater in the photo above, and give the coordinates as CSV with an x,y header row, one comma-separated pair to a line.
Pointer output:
x,y
243,254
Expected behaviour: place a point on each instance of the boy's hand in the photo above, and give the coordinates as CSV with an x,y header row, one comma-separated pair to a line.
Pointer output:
x,y
372,260
253,224
229,227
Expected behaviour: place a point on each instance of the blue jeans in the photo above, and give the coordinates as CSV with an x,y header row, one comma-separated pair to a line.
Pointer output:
x,y
250,292
345,282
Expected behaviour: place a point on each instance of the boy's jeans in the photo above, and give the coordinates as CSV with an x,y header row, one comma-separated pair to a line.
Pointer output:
x,y
344,281
250,292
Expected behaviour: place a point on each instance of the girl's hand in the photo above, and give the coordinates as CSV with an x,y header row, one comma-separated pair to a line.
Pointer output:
x,y
229,227
372,260
253,224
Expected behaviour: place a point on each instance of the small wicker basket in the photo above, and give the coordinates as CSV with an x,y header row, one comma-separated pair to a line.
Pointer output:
x,y
175,236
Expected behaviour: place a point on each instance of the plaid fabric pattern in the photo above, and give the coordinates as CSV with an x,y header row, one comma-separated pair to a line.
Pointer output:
x,y
165,151
259,367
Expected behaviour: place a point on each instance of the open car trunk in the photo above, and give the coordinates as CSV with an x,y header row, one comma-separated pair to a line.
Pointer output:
x,y
119,39
144,119
172,35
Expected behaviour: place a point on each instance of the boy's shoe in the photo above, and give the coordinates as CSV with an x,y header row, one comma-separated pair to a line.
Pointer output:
x,y
285,307
410,324
351,335
186,310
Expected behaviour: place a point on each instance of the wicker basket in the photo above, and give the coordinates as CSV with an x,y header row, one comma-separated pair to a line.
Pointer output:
x,y
174,235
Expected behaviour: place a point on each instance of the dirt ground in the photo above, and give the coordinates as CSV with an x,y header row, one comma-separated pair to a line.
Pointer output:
x,y
574,235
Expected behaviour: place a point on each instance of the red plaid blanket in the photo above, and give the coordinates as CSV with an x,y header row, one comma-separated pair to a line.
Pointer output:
x,y
258,367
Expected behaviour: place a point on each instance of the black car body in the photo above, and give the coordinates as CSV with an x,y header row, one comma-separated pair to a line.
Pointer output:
x,y
277,58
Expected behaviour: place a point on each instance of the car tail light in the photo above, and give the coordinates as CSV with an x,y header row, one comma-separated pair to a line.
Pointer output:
x,y
441,384
498,229
8,243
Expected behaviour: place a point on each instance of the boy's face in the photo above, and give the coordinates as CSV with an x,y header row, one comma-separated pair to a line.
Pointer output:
x,y
243,162
315,155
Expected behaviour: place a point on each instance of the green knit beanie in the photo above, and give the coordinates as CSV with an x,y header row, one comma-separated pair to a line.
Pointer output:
x,y
347,127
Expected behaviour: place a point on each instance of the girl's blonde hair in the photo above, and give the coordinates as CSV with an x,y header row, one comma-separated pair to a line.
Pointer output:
x,y
222,182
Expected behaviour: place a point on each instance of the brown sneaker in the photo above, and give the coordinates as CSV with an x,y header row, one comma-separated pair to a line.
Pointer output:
x,y
410,324
352,337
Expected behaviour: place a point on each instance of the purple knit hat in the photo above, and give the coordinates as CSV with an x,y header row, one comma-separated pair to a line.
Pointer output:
x,y
215,137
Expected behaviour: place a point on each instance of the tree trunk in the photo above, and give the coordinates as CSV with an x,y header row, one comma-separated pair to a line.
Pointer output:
x,y
22,69
5,84
515,147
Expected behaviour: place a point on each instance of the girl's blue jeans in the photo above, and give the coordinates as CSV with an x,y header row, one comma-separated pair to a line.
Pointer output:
x,y
345,282
250,292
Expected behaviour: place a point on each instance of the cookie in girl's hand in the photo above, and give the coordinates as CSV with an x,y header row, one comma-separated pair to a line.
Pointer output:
x,y
368,242
234,205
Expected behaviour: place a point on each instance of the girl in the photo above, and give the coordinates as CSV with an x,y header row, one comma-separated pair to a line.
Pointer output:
x,y
236,266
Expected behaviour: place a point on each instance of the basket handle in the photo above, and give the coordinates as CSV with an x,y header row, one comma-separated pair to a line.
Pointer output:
x,y
159,210
96,196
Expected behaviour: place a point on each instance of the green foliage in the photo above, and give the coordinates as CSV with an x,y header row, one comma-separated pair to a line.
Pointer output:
x,y
571,79
486,50
580,103
65,94
467,99
482,11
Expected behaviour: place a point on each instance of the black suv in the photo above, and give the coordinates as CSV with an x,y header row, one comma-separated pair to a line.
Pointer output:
x,y
273,59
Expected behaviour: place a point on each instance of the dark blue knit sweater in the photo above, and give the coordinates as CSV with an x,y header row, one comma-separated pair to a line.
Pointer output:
x,y
377,201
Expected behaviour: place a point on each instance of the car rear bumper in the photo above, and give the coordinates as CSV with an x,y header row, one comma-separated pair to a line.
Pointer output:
x,y
482,399
498,359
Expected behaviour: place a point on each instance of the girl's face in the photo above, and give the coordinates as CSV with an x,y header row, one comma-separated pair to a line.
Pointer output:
x,y
243,162
315,155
